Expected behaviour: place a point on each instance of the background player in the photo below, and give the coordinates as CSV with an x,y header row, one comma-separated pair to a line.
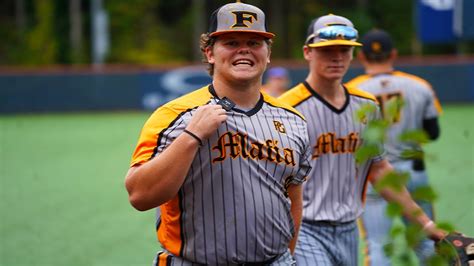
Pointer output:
x,y
333,195
277,81
225,163
419,111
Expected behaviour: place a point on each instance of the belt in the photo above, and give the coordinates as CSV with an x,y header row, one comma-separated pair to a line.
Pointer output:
x,y
260,263
327,222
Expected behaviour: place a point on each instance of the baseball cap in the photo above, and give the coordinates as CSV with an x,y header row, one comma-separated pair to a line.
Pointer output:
x,y
331,30
376,42
238,17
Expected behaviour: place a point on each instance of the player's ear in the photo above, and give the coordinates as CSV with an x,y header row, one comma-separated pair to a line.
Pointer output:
x,y
209,55
307,52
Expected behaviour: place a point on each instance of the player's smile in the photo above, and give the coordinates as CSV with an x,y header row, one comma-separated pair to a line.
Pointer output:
x,y
243,62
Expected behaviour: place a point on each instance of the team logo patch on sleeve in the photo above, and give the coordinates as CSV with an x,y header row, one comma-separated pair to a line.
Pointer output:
x,y
279,127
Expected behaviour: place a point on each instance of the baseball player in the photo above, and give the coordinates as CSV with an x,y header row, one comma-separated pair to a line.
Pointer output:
x,y
419,111
225,163
333,195
277,81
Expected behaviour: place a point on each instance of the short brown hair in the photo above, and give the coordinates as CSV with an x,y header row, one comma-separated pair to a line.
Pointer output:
x,y
204,42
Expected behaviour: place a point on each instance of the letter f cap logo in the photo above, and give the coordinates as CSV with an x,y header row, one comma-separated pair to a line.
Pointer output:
x,y
238,17
242,17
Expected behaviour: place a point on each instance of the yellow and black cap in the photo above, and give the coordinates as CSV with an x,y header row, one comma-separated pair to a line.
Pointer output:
x,y
238,17
331,30
376,42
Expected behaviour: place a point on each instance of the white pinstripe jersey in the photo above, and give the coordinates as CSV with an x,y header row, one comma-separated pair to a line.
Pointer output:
x,y
233,205
419,101
336,188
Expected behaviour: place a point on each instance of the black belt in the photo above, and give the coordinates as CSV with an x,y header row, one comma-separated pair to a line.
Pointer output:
x,y
260,263
327,222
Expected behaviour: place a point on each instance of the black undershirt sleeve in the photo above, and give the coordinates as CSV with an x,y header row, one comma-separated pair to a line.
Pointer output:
x,y
431,127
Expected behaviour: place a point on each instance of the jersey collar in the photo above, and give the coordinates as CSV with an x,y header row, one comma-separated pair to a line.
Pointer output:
x,y
330,106
250,112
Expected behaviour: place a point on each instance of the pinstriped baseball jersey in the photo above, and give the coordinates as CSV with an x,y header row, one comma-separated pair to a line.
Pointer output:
x,y
232,206
419,101
336,187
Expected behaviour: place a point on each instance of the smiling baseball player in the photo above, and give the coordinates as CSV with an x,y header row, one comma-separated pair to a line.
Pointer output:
x,y
225,163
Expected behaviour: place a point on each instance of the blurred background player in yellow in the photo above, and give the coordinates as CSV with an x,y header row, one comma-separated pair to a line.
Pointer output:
x,y
419,111
277,81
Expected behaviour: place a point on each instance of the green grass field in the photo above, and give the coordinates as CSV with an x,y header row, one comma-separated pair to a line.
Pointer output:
x,y
63,201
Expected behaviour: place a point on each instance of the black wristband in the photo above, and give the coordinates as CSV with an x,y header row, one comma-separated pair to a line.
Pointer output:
x,y
194,136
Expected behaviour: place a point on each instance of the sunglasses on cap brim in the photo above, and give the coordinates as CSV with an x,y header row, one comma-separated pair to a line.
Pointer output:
x,y
335,32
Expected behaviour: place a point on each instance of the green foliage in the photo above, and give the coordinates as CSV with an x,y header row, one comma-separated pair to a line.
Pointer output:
x,y
402,239
136,34
437,260
392,109
413,235
393,180
397,243
413,154
365,152
375,132
445,251
424,194
363,111
40,40
36,44
415,136
394,210
373,136
445,226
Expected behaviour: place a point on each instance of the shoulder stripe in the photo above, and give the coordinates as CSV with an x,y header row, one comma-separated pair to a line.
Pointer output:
x,y
191,100
162,119
358,80
296,95
277,102
360,93
412,77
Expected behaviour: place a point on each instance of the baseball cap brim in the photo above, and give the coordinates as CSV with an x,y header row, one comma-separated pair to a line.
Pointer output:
x,y
268,35
334,42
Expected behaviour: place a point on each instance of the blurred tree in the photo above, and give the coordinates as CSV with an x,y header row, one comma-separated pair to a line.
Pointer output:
x,y
27,32
75,30
199,26
37,32
41,43
20,15
136,34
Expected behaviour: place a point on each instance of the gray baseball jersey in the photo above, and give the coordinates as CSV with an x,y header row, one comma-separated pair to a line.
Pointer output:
x,y
233,206
335,190
419,101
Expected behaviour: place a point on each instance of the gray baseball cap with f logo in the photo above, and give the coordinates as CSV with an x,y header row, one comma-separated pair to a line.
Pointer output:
x,y
238,17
